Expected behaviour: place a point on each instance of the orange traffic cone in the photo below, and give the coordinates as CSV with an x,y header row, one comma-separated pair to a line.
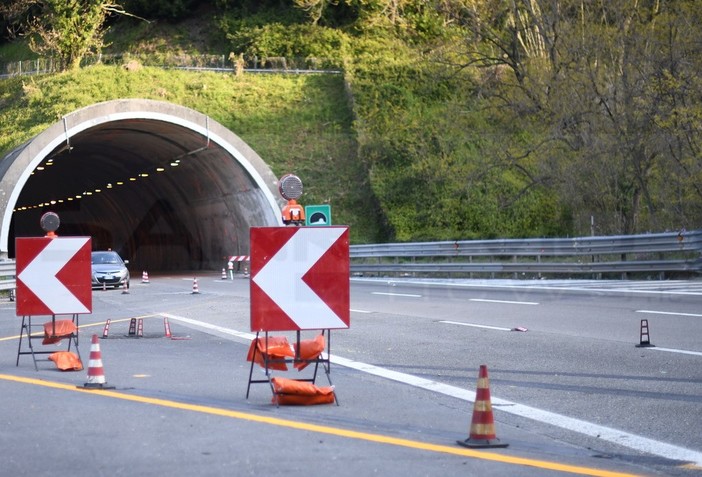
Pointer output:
x,y
246,272
167,327
144,277
224,274
482,426
96,374
125,288
195,288
106,329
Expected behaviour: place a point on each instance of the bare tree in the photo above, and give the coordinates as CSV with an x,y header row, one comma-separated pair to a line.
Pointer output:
x,y
604,89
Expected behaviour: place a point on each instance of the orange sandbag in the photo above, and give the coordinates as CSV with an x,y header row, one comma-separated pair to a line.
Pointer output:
x,y
308,350
290,391
57,330
66,361
278,349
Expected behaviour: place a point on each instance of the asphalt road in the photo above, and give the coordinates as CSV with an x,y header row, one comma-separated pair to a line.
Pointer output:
x,y
571,394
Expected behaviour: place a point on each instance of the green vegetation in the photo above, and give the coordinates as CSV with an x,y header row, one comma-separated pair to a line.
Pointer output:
x,y
451,119
296,123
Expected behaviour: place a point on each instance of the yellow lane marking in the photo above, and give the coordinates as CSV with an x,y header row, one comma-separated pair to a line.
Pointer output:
x,y
459,451
39,333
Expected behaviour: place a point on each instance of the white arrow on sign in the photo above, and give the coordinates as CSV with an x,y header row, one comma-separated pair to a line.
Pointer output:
x,y
40,275
281,278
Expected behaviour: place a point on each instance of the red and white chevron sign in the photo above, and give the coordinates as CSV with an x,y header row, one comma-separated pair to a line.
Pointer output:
x,y
53,276
299,278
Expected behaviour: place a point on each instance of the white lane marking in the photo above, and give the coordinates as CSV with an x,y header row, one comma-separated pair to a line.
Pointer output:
x,y
396,294
679,351
632,441
360,311
202,324
654,312
505,301
475,326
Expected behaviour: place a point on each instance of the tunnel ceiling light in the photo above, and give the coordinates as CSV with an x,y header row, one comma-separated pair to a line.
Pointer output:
x,y
174,162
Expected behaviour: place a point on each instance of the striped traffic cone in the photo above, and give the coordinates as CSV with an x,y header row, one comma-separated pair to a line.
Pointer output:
x,y
195,288
96,373
224,274
167,327
106,329
482,426
144,277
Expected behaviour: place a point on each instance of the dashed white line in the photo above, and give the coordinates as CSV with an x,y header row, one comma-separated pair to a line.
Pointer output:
x,y
505,301
397,294
473,325
653,312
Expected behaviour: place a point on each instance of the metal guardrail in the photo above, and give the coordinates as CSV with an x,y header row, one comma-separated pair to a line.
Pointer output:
x,y
657,253
8,269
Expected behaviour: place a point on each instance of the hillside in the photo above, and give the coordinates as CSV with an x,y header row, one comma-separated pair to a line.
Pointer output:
x,y
446,122
272,113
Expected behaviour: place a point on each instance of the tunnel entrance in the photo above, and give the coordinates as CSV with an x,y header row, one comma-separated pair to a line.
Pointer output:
x,y
165,186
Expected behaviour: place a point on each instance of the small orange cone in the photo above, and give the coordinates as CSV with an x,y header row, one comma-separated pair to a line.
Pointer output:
x,y
246,272
195,288
144,277
96,374
482,426
125,288
167,327
224,274
106,329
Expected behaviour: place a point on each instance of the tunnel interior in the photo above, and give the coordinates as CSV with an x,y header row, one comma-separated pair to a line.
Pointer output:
x,y
162,195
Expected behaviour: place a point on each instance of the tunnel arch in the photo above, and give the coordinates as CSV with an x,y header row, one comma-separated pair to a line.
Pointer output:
x,y
166,186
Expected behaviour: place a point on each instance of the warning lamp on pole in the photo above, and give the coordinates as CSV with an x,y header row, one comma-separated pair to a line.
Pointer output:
x,y
50,223
290,187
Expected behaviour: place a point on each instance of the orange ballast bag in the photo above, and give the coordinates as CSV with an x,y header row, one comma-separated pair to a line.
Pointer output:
x,y
66,361
290,391
55,331
278,349
308,350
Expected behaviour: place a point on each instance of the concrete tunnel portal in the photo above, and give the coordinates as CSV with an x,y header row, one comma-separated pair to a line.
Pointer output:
x,y
165,186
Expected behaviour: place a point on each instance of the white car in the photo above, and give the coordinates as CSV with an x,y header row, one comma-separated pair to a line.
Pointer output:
x,y
109,270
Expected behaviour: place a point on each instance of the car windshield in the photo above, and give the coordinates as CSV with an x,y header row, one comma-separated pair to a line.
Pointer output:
x,y
105,258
